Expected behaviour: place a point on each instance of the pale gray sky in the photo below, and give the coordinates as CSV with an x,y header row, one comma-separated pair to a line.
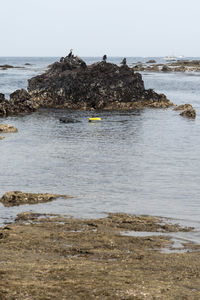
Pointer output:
x,y
95,27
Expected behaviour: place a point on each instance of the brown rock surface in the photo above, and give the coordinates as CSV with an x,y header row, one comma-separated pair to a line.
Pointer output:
x,y
4,128
188,110
54,257
15,198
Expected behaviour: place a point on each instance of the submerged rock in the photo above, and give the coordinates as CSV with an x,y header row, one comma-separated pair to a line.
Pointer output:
x,y
72,84
187,110
16,198
68,120
7,128
5,67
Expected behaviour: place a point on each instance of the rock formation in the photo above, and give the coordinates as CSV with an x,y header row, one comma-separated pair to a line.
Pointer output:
x,y
20,102
72,84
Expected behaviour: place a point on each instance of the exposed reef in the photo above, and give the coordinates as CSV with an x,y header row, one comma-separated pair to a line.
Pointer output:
x,y
175,66
55,257
16,198
6,67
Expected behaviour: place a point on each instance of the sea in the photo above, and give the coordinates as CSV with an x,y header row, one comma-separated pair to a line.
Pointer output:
x,y
144,162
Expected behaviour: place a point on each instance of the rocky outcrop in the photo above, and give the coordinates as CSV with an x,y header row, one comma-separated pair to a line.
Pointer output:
x,y
20,102
175,66
72,84
187,110
16,198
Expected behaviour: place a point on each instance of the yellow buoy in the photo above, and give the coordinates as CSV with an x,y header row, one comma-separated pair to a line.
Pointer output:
x,y
94,119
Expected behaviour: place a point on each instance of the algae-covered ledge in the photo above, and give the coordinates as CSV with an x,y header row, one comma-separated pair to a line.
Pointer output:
x,y
56,257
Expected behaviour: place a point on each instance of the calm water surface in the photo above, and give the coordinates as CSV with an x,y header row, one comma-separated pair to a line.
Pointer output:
x,y
142,162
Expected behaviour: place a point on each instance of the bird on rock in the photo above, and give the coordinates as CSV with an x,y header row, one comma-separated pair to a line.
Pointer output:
x,y
104,57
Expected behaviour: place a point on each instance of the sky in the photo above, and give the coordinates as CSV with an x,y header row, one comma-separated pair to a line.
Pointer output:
x,y
96,27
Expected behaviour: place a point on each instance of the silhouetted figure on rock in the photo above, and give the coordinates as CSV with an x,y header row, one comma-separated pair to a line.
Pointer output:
x,y
104,57
123,62
70,53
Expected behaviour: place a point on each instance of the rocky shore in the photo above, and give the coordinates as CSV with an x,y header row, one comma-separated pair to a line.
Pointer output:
x,y
72,84
54,257
175,66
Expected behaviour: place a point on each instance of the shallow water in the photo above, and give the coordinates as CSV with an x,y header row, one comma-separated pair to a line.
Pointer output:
x,y
142,162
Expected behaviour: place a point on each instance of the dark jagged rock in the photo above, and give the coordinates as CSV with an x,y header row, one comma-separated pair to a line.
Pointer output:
x,y
5,67
72,84
2,97
20,102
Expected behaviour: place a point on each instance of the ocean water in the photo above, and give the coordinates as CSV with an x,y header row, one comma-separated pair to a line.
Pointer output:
x,y
139,162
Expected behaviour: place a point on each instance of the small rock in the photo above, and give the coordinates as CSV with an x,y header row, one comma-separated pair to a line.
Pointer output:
x,y
165,69
188,110
151,61
7,128
183,107
16,198
190,113
2,137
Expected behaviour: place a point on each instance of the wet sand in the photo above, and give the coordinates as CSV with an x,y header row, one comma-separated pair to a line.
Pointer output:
x,y
54,257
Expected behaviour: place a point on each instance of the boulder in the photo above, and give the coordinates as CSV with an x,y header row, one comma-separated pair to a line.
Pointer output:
x,y
20,102
71,84
16,198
